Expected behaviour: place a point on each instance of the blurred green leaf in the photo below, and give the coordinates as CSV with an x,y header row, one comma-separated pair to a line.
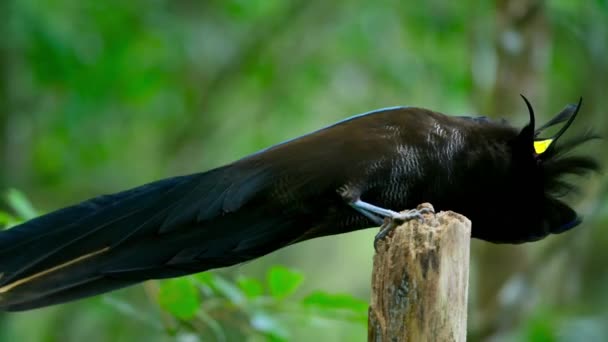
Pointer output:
x,y
542,328
229,290
206,283
20,204
329,305
251,9
221,286
179,297
283,282
323,300
252,287
272,328
6,220
206,278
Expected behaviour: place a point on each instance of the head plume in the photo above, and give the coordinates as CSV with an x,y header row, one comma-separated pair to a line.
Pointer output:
x,y
555,161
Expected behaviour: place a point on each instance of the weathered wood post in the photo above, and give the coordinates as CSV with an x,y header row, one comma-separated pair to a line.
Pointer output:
x,y
420,281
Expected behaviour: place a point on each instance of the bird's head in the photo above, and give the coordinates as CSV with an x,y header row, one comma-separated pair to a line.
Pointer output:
x,y
542,165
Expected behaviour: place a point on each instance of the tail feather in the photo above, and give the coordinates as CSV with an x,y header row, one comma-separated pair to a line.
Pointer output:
x,y
38,245
164,229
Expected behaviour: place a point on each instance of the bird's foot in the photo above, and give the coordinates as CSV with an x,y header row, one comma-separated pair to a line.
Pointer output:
x,y
391,222
387,219
388,226
412,214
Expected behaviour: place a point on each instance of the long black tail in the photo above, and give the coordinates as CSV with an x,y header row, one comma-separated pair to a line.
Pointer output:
x,y
163,229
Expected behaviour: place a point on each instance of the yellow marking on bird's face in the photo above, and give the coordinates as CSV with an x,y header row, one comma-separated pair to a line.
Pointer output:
x,y
22,281
541,146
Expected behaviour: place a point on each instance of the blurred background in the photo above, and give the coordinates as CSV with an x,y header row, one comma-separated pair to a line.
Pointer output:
x,y
96,97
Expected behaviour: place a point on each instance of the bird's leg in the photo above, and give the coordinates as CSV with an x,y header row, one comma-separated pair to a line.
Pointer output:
x,y
361,207
379,220
351,195
376,214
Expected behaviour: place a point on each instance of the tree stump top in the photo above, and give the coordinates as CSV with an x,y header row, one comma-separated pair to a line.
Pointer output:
x,y
420,280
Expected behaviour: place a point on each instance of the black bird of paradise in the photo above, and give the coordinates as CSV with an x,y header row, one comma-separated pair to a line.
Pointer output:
x,y
345,177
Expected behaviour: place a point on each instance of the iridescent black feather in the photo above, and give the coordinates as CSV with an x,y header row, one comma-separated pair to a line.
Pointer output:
x,y
562,162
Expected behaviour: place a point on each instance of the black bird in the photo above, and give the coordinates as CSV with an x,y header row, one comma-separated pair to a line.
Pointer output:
x,y
342,178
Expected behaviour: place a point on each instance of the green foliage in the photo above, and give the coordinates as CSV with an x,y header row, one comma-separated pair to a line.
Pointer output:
x,y
21,209
180,298
283,282
542,328
6,220
327,304
251,287
20,204
214,307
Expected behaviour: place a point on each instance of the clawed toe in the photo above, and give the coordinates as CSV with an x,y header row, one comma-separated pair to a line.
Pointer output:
x,y
393,221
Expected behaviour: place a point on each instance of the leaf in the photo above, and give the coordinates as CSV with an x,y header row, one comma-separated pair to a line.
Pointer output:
x,y
252,287
337,306
20,204
269,326
205,282
229,290
6,220
221,286
205,278
283,282
326,301
542,327
179,297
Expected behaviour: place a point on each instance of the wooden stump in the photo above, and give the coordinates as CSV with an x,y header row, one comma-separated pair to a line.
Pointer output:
x,y
420,281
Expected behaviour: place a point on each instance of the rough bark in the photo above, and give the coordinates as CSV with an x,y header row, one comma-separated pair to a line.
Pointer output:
x,y
420,281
